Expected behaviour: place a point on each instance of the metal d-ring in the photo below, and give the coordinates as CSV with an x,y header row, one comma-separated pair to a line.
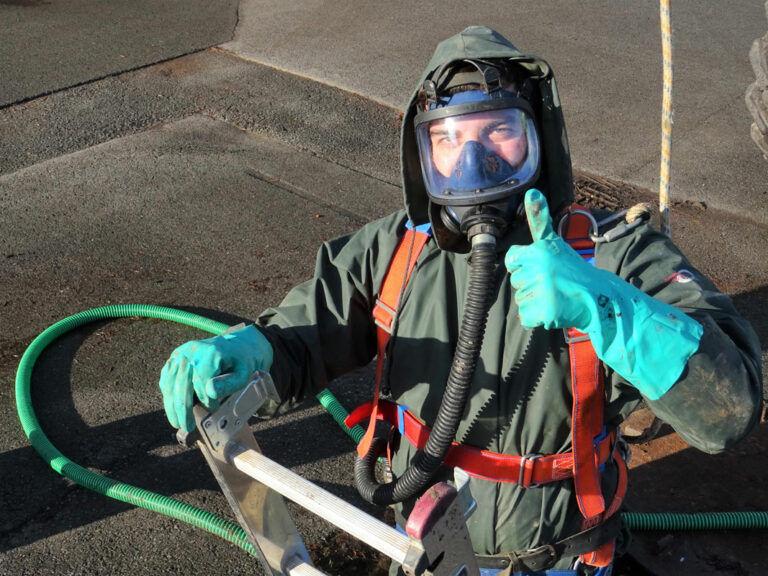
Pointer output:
x,y
568,214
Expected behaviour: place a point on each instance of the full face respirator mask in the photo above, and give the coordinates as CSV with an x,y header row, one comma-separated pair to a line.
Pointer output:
x,y
478,146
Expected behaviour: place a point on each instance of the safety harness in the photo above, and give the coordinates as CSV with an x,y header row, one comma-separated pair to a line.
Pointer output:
x,y
592,445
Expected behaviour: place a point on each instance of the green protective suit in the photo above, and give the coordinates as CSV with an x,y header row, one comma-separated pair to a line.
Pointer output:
x,y
521,394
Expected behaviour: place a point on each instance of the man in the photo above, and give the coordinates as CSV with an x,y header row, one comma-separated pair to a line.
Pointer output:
x,y
486,164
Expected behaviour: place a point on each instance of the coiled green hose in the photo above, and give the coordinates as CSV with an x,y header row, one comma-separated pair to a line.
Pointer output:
x,y
107,486
210,522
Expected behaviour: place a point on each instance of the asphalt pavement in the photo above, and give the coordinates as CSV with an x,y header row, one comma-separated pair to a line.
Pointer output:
x,y
49,46
606,57
195,155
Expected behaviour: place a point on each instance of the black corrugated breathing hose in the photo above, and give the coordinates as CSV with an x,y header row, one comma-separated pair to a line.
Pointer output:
x,y
427,462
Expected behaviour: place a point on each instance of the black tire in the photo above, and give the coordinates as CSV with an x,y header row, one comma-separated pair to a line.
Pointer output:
x,y
757,92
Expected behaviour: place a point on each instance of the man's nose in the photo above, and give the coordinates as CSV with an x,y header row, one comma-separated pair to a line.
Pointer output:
x,y
472,154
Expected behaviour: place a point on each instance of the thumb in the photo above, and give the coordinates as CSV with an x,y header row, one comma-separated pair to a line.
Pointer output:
x,y
537,211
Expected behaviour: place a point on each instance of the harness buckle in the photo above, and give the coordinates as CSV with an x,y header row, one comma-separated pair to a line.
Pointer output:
x,y
535,560
573,339
618,232
524,460
547,549
388,310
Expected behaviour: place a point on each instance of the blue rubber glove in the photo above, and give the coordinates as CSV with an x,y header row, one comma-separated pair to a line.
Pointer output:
x,y
645,340
211,369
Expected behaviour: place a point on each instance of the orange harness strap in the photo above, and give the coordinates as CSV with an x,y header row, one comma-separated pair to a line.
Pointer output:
x,y
395,280
587,383
587,422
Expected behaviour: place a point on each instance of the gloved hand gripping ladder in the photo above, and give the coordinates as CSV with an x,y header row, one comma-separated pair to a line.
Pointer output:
x,y
437,542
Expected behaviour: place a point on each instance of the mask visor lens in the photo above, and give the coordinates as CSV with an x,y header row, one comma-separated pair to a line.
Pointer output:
x,y
478,157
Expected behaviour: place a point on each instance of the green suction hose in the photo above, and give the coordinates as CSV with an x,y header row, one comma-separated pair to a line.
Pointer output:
x,y
675,522
107,486
210,522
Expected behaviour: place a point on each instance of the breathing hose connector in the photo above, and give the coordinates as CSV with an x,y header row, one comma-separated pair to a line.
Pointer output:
x,y
427,462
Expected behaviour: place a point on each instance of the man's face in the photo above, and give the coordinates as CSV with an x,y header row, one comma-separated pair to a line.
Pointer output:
x,y
501,132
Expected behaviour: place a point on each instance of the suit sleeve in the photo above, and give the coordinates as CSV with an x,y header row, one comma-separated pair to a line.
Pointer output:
x,y
716,401
324,328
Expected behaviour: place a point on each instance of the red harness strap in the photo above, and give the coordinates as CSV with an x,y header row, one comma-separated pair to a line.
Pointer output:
x,y
528,471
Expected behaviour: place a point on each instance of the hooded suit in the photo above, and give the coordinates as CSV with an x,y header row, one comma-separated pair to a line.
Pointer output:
x,y
520,401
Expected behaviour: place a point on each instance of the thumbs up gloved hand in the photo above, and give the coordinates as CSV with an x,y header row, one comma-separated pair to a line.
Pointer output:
x,y
645,340
211,369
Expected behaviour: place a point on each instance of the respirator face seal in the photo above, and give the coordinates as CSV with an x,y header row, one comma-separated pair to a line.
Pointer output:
x,y
478,149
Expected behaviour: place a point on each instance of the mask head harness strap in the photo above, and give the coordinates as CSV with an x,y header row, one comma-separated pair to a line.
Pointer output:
x,y
450,75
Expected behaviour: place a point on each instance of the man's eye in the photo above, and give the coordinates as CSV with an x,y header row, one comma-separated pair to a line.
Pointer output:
x,y
444,139
505,132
